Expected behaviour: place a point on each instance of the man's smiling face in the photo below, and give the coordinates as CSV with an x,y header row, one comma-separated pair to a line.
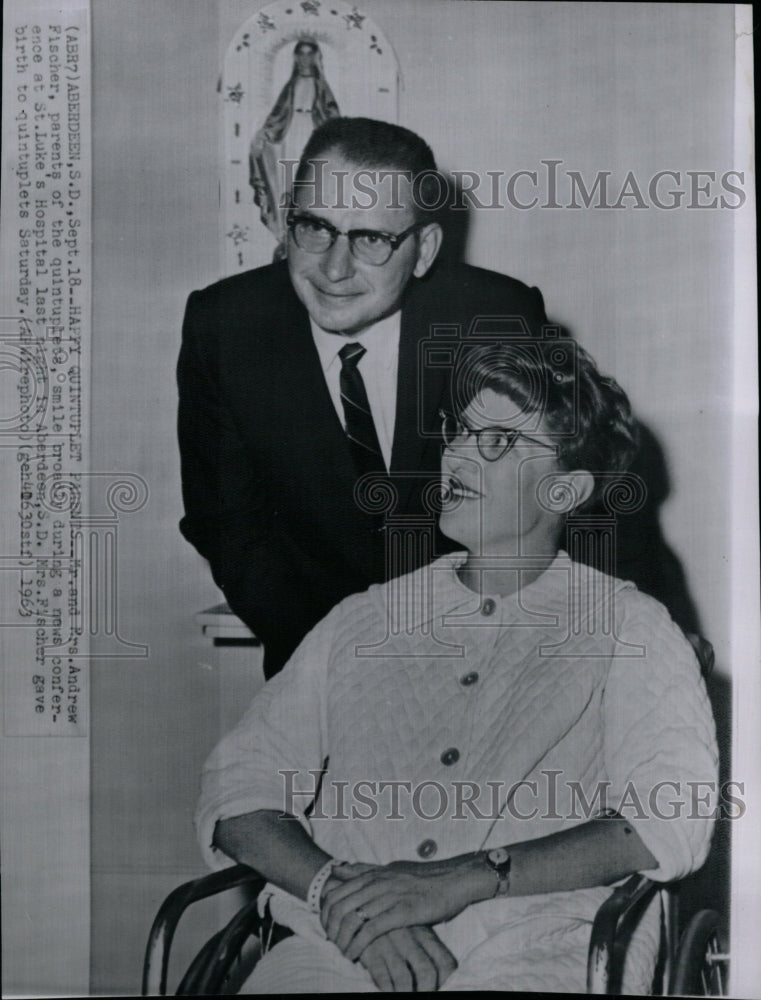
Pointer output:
x,y
341,293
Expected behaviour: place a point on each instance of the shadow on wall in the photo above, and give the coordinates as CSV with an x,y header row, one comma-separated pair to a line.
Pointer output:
x,y
642,553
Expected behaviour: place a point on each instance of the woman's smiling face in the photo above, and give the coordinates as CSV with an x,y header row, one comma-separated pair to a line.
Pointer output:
x,y
493,508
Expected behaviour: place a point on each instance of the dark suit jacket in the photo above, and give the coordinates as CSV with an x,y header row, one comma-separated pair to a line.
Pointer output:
x,y
268,481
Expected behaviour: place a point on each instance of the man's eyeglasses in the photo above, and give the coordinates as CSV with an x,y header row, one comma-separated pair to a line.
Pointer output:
x,y
368,245
492,442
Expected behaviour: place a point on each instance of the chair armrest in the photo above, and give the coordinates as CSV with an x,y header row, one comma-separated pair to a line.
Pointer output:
x,y
214,963
605,926
163,928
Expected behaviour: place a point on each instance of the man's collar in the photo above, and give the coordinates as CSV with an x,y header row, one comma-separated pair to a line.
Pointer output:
x,y
381,338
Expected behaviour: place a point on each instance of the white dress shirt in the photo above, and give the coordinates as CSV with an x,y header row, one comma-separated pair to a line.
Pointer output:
x,y
378,367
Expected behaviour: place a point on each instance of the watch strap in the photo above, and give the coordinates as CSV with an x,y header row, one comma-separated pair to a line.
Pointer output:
x,y
499,861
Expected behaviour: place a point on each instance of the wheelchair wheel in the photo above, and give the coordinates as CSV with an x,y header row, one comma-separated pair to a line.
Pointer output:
x,y
699,967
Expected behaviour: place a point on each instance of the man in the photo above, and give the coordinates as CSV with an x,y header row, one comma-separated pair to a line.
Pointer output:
x,y
278,424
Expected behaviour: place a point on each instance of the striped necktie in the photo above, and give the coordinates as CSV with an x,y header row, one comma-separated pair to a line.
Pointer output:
x,y
360,429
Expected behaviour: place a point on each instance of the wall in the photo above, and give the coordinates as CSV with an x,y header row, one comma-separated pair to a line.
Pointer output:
x,y
155,197
492,87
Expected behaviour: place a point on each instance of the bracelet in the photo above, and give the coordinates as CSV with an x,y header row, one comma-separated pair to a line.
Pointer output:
x,y
318,884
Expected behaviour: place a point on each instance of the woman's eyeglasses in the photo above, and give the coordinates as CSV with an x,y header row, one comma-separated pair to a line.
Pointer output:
x,y
492,442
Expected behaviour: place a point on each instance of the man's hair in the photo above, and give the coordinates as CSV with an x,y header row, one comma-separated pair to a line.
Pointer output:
x,y
377,145
587,414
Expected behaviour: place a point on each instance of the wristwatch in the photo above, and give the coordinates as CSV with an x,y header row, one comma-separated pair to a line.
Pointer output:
x,y
498,860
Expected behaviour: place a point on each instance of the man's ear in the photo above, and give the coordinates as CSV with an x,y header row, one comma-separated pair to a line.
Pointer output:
x,y
429,244
563,492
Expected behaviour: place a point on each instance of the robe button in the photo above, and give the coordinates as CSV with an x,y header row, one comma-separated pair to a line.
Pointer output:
x,y
467,679
488,607
427,848
450,756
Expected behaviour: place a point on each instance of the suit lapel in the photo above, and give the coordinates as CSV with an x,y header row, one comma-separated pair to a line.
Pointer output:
x,y
420,390
305,394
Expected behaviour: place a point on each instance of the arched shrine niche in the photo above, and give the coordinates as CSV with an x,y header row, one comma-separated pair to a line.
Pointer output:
x,y
288,68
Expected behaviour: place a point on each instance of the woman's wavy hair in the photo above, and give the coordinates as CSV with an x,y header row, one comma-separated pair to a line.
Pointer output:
x,y
556,381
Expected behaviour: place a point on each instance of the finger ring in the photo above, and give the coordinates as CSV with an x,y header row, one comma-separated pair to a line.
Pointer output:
x,y
361,914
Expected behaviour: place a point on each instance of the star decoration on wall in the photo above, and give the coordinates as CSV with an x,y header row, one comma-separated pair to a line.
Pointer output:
x,y
355,19
265,22
238,234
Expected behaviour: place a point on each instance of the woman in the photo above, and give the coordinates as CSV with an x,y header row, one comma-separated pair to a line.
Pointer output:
x,y
305,102
494,750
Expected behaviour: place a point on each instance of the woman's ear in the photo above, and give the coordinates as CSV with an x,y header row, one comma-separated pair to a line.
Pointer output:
x,y
563,492
583,486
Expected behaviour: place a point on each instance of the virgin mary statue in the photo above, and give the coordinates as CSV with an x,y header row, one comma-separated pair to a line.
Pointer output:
x,y
305,102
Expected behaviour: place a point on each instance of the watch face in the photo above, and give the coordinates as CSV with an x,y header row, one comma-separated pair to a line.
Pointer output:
x,y
498,856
